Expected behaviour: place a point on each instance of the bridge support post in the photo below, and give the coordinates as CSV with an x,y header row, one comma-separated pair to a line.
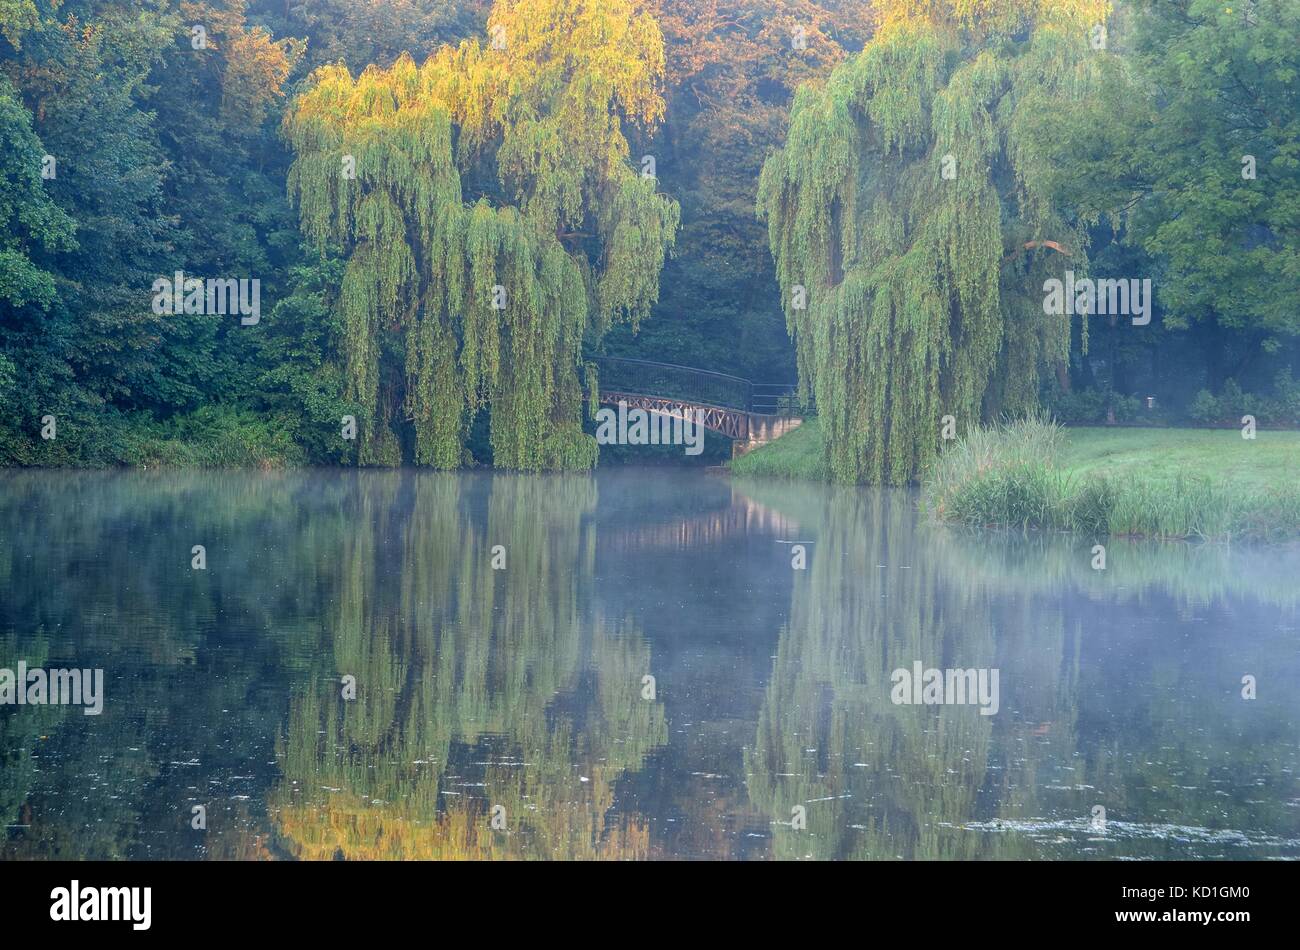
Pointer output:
x,y
763,429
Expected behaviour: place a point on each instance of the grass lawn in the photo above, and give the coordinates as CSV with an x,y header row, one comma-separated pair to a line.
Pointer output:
x,y
797,454
1271,459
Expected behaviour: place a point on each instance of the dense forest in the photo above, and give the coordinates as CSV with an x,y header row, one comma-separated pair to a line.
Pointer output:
x,y
450,206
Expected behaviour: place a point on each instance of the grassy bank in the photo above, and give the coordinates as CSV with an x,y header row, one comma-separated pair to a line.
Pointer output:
x,y
1160,483
797,454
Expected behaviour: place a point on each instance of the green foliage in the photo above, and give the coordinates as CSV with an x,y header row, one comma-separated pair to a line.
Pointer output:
x,y
29,220
219,437
519,167
1093,406
489,304
301,384
165,158
360,33
86,353
16,18
1280,409
906,191
1163,147
214,111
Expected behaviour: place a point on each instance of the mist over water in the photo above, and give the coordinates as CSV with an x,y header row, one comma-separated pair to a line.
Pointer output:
x,y
521,693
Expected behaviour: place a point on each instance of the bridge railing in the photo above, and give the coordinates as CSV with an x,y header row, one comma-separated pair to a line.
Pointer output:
x,y
775,399
651,378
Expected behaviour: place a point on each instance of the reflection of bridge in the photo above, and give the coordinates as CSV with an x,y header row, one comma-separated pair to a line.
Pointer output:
x,y
746,412
742,517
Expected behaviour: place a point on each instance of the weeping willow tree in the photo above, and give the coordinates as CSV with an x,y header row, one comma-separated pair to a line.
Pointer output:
x,y
451,306
909,220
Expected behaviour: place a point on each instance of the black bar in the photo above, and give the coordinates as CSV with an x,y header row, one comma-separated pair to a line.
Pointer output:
x,y
933,901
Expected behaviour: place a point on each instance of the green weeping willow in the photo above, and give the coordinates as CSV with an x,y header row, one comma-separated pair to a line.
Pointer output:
x,y
450,307
909,221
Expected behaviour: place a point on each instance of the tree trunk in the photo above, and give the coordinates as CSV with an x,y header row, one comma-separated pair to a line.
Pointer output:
x,y
1063,376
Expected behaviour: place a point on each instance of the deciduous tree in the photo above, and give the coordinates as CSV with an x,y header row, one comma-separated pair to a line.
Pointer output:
x,y
452,305
908,219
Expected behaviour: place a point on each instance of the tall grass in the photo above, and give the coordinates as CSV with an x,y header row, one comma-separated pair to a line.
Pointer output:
x,y
1007,476
998,475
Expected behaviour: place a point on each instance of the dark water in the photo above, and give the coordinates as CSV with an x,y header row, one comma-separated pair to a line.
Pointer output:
x,y
521,693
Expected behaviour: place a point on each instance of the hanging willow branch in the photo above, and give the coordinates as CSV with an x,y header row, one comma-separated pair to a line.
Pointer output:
x,y
889,233
450,307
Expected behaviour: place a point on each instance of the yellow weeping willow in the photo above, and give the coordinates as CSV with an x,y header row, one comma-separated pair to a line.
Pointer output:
x,y
908,219
449,307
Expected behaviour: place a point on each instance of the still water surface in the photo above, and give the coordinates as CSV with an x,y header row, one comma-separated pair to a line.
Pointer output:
x,y
523,692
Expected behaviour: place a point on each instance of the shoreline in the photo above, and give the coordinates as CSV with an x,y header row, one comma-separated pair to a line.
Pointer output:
x,y
1158,482
1161,483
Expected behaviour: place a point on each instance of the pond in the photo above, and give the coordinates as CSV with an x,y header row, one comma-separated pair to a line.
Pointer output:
x,y
641,663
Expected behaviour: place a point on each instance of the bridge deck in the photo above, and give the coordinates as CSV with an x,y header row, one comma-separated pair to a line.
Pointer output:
x,y
748,413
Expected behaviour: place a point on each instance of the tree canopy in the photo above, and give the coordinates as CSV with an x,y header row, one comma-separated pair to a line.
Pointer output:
x,y
1193,144
451,205
451,305
896,208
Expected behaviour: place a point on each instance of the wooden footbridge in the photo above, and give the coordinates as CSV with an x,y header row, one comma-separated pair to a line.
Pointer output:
x,y
744,411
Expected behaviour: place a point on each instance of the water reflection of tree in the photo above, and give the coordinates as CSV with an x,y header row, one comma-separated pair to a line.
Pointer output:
x,y
96,572
476,687
1093,709
877,780
479,687
1191,572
